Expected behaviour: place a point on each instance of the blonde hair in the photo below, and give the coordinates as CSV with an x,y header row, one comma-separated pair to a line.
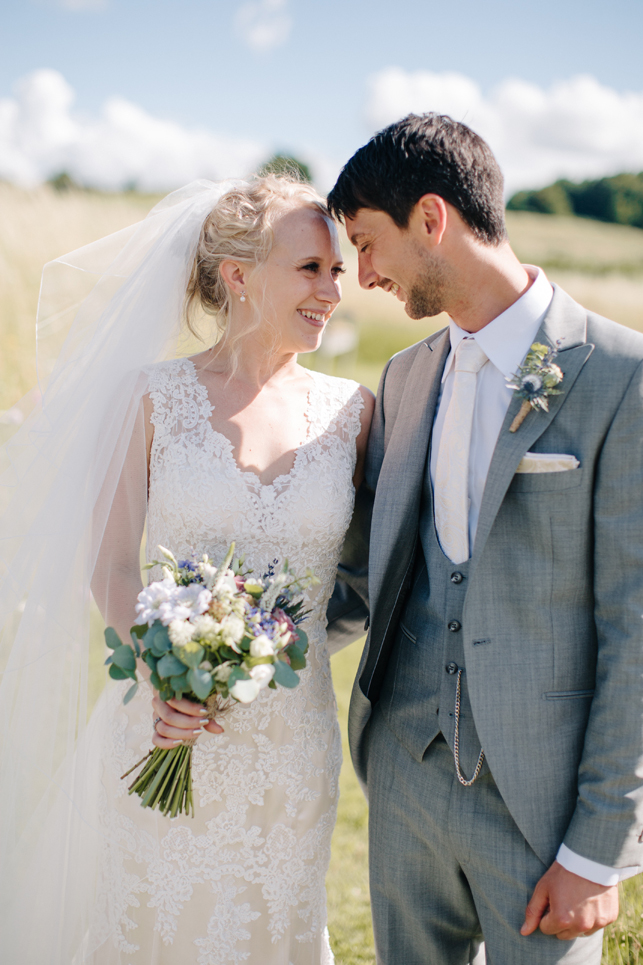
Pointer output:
x,y
241,227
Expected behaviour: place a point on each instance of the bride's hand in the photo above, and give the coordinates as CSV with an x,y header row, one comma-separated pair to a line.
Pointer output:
x,y
180,720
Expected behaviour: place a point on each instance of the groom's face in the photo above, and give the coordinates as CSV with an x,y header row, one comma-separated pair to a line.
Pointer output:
x,y
395,260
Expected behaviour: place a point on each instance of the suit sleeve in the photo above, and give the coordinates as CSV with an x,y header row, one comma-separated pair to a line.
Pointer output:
x,y
347,612
607,825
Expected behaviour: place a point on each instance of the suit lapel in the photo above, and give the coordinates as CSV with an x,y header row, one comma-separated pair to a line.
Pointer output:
x,y
399,491
565,325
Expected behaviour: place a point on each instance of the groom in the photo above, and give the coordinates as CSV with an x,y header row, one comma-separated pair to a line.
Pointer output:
x,y
496,716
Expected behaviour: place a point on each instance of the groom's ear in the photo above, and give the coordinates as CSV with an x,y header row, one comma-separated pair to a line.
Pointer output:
x,y
429,219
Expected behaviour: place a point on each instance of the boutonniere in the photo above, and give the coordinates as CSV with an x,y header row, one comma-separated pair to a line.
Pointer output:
x,y
535,381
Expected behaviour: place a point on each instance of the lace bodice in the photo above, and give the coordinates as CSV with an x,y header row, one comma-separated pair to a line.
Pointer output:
x,y
243,880
200,500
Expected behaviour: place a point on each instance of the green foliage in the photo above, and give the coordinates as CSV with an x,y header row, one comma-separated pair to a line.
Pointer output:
x,y
617,200
200,681
112,639
287,165
64,182
623,942
349,913
285,676
551,200
170,666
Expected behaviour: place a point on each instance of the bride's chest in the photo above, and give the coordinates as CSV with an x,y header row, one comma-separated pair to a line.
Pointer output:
x,y
195,480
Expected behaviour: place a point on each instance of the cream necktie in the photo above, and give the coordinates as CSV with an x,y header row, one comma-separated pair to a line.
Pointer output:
x,y
452,471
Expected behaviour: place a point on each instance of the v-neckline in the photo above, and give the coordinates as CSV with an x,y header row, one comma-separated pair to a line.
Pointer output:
x,y
229,446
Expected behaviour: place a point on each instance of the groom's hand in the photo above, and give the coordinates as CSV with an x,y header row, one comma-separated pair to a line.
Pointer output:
x,y
566,905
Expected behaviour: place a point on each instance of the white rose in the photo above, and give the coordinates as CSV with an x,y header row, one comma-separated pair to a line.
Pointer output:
x,y
262,646
246,691
263,674
180,632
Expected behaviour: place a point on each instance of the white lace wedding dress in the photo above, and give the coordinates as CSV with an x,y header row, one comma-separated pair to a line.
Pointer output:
x,y
242,881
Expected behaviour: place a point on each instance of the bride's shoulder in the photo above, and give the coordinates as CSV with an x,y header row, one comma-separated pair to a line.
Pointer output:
x,y
344,390
162,375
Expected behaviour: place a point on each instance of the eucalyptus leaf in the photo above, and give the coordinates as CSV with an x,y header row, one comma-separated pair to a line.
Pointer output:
x,y
296,657
112,639
285,676
191,654
124,657
169,666
200,681
180,684
116,673
159,641
130,693
302,641
237,673
150,660
156,681
135,644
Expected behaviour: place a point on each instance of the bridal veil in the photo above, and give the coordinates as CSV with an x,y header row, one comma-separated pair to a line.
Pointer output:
x,y
58,478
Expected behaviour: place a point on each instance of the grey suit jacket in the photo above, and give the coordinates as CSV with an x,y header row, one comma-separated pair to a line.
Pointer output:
x,y
553,617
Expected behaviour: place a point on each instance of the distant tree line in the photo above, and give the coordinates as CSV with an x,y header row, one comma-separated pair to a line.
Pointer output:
x,y
278,164
618,200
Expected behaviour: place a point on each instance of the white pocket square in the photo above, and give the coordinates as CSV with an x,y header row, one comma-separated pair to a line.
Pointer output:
x,y
547,462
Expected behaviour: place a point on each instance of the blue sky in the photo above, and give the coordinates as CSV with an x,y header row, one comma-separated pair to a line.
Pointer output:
x,y
309,82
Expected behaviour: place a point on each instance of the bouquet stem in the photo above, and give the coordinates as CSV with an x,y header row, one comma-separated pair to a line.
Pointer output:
x,y
166,780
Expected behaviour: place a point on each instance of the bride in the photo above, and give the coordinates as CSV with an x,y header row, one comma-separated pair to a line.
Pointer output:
x,y
238,443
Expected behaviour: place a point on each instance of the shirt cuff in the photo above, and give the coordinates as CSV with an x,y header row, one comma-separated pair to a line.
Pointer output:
x,y
601,874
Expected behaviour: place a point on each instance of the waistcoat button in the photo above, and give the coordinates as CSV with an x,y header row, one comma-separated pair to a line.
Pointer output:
x,y
451,667
457,577
454,626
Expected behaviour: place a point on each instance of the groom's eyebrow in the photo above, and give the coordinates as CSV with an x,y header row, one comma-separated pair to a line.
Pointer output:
x,y
354,239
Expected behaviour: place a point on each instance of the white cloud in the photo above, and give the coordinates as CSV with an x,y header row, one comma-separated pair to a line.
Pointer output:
x,y
264,24
81,5
575,128
40,135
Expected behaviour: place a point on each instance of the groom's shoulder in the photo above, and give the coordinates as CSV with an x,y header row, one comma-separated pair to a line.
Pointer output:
x,y
399,366
614,343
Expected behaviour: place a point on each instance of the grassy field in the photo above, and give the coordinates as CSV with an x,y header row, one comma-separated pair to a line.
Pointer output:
x,y
599,265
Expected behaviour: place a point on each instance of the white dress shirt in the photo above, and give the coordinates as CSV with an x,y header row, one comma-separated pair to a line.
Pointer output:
x,y
505,341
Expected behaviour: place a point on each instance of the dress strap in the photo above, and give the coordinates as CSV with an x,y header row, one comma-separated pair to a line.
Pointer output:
x,y
180,402
335,407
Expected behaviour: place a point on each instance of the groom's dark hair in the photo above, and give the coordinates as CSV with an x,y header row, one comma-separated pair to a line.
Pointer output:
x,y
425,154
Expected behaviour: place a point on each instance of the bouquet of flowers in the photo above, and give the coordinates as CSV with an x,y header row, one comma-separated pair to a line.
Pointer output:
x,y
214,635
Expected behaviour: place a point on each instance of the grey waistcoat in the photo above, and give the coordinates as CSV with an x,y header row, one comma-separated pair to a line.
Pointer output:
x,y
418,696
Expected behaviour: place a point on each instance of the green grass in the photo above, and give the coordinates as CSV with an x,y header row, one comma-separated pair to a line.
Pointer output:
x,y
349,915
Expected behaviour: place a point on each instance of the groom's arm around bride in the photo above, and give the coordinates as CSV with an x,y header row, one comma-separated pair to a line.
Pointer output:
x,y
496,717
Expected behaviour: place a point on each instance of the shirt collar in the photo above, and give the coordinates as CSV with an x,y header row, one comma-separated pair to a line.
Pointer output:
x,y
507,339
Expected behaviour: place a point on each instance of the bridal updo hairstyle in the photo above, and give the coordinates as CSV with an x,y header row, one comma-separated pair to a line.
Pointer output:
x,y
425,154
240,226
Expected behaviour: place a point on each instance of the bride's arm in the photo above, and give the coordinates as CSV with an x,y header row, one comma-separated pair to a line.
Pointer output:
x,y
117,576
362,439
116,581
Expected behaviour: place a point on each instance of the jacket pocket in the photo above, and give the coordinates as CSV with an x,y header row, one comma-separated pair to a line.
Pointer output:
x,y
407,633
546,482
567,694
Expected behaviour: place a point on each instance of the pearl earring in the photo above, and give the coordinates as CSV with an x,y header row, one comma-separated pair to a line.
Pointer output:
x,y
243,296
